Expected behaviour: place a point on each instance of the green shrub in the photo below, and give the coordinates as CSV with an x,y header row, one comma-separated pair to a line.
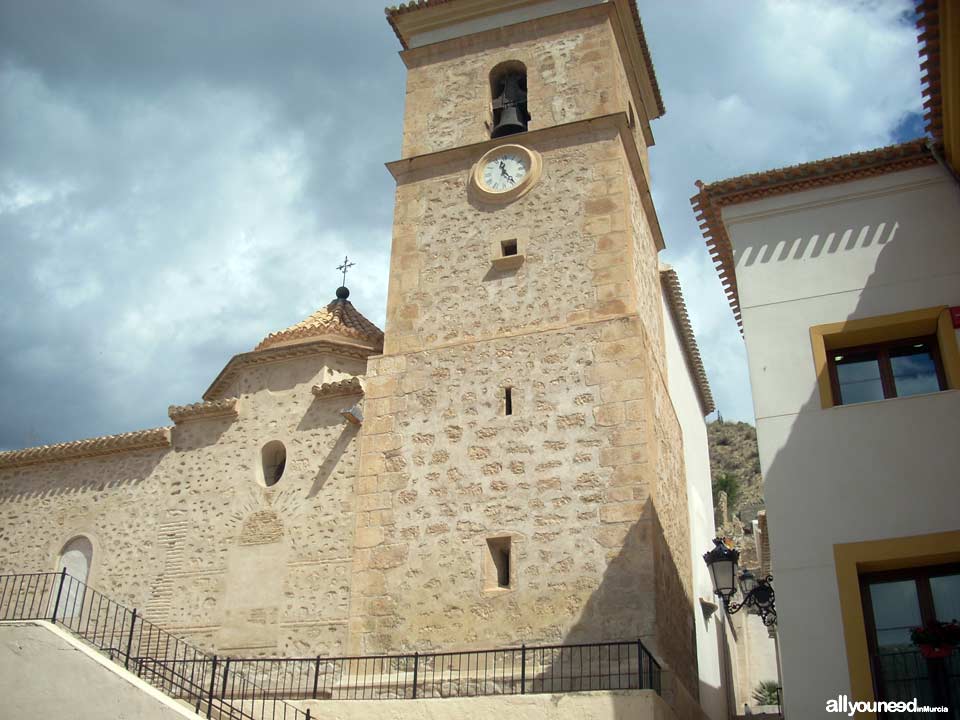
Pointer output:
x,y
728,484
766,693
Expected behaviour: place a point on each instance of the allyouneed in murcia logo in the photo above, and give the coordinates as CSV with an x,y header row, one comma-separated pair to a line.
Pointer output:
x,y
843,704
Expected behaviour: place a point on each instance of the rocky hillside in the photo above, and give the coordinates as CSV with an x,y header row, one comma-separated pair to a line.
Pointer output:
x,y
735,465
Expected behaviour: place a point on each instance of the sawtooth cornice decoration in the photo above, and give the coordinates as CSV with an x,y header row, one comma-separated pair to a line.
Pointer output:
x,y
349,386
928,23
678,309
712,198
287,352
225,408
339,319
153,439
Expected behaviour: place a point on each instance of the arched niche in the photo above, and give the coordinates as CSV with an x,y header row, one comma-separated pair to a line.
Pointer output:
x,y
273,461
76,557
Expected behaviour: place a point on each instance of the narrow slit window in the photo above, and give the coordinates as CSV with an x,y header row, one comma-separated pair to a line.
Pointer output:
x,y
498,567
508,401
508,248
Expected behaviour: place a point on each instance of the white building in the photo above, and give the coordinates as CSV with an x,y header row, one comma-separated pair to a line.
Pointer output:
x,y
845,274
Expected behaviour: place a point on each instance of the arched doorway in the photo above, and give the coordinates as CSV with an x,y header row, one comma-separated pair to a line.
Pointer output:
x,y
76,558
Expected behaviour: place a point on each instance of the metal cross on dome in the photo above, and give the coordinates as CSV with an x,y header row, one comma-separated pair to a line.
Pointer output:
x,y
343,268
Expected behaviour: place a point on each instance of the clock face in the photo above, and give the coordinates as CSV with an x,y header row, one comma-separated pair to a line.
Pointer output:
x,y
504,172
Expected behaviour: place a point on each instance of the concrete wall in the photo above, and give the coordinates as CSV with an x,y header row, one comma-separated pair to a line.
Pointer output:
x,y
610,705
45,673
860,472
497,20
683,394
754,657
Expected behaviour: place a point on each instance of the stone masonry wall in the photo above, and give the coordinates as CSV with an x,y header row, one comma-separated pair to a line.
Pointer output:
x,y
573,270
567,477
575,475
674,575
573,72
113,500
190,536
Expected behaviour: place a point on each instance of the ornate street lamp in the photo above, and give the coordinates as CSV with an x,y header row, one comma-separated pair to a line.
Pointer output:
x,y
757,593
722,563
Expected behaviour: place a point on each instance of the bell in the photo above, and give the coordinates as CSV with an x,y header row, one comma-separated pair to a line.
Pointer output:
x,y
510,106
510,122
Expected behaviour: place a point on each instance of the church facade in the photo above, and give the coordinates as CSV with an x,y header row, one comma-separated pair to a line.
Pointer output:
x,y
519,457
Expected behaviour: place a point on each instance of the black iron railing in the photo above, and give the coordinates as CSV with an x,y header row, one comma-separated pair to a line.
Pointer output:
x,y
255,688
905,674
507,671
166,662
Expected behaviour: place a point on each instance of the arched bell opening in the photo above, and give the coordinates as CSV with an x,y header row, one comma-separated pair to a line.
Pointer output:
x,y
508,92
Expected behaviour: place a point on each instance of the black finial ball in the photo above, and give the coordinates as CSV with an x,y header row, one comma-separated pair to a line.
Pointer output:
x,y
342,293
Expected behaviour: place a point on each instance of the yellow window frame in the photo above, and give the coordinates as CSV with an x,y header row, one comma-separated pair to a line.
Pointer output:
x,y
884,328
855,559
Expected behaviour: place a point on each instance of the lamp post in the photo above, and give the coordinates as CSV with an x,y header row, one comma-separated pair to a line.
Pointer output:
x,y
723,563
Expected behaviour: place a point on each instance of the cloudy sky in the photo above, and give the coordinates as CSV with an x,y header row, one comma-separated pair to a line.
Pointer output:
x,y
179,178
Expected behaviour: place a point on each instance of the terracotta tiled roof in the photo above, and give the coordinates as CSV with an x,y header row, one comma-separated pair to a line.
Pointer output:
x,y
223,384
349,386
678,308
647,58
402,8
226,407
155,438
710,199
340,317
929,39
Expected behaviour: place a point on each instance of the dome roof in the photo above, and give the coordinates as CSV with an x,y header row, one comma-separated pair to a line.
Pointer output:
x,y
339,319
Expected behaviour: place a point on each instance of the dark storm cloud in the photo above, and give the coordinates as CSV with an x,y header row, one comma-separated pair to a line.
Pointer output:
x,y
178,179
325,68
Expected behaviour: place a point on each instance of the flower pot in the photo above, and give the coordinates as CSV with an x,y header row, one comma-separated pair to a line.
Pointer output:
x,y
936,651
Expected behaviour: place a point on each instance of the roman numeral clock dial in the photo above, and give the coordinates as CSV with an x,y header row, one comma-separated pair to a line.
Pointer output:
x,y
505,173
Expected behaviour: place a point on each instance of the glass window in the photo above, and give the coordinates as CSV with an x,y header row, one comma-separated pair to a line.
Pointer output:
x,y
914,370
859,379
899,368
946,597
895,602
896,609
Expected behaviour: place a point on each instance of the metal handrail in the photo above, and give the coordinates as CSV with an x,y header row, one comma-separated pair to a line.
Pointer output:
x,y
142,647
468,673
242,687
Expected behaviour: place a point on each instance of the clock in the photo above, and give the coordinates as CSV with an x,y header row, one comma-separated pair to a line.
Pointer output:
x,y
505,173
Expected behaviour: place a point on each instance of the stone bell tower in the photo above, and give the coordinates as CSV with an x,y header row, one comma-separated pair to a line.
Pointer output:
x,y
521,473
